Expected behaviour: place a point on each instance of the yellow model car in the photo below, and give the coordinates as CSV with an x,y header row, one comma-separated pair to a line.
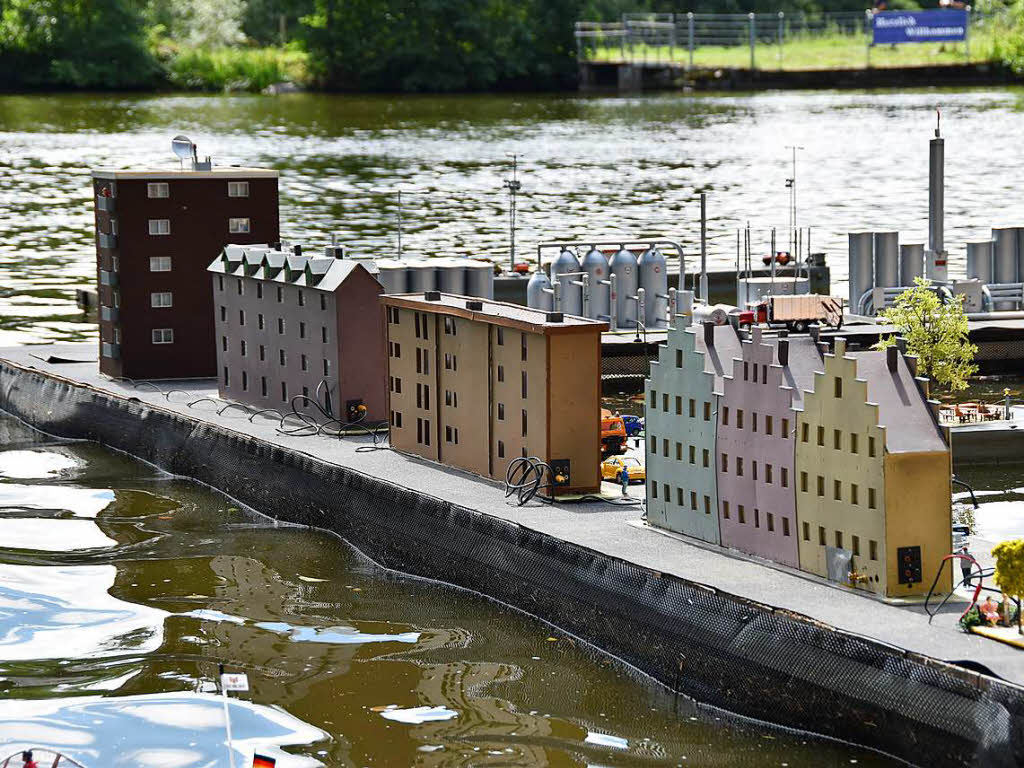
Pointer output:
x,y
611,469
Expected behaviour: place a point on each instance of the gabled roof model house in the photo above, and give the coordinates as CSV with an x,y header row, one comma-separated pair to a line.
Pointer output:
x,y
831,463
875,479
156,232
756,426
682,406
475,384
289,325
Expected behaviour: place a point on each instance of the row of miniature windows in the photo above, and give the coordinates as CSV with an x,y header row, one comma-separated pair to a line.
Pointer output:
x,y
680,497
236,226
501,416
746,372
837,439
741,518
692,452
264,385
679,405
768,474
768,422
451,398
161,189
301,296
853,496
261,324
838,538
282,355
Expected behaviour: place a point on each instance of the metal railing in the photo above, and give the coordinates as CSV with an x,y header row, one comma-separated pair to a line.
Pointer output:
x,y
739,40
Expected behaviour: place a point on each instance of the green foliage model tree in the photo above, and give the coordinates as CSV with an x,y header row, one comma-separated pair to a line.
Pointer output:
x,y
935,332
1009,575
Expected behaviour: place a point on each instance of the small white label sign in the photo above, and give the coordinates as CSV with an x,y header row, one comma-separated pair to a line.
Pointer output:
x,y
234,682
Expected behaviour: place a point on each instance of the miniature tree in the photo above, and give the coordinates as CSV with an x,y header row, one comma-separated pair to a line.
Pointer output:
x,y
936,334
1009,575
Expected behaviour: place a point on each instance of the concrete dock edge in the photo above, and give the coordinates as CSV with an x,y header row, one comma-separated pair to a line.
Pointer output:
x,y
718,648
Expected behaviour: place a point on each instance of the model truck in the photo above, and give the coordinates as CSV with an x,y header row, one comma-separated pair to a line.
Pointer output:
x,y
796,313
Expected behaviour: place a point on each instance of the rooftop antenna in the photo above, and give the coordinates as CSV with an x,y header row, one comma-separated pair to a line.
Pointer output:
x,y
791,186
513,186
183,147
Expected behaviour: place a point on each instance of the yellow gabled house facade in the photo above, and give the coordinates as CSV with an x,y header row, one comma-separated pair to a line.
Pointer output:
x,y
874,475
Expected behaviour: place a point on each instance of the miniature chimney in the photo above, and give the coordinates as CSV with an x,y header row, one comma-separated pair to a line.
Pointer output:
x,y
840,346
783,351
431,295
901,344
892,355
552,317
297,250
815,331
709,335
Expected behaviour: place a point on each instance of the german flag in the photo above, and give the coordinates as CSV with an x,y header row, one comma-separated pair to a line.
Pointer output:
x,y
259,761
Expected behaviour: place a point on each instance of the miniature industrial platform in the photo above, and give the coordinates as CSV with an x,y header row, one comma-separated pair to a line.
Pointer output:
x,y
729,631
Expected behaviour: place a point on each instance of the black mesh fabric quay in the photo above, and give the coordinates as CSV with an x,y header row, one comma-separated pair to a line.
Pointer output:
x,y
717,648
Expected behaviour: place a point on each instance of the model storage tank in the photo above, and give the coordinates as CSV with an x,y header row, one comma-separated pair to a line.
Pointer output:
x,y
911,262
623,303
1004,260
451,275
654,281
979,261
862,266
887,259
393,276
565,269
479,279
716,314
1020,255
422,275
538,292
595,265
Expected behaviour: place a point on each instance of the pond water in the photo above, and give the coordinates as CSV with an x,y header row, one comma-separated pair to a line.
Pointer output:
x,y
126,588
617,166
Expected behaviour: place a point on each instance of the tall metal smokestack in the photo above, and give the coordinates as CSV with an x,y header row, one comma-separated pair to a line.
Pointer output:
x,y
935,267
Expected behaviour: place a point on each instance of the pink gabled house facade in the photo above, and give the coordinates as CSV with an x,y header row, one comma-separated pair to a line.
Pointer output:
x,y
756,445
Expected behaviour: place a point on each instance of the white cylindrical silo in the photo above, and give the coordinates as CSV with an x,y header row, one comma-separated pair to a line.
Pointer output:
x,y
979,261
565,270
595,265
1004,260
654,280
393,275
623,266
862,266
911,262
422,275
451,275
887,259
538,292
479,279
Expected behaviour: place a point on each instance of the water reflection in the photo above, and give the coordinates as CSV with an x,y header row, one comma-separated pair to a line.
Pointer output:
x,y
167,729
64,612
111,653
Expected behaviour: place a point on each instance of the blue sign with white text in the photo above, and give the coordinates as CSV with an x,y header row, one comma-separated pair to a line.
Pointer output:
x,y
935,26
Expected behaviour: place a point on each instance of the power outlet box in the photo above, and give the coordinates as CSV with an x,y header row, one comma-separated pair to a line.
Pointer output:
x,y
560,474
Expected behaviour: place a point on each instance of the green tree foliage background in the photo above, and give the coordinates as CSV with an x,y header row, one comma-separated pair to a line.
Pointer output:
x,y
404,45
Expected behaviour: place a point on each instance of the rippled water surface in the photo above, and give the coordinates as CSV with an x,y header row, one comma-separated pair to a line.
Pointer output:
x,y
125,589
623,166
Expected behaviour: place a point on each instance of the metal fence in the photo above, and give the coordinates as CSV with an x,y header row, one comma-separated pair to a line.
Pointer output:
x,y
748,40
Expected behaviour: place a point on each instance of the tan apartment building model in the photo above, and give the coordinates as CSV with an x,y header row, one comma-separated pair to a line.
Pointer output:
x,y
475,383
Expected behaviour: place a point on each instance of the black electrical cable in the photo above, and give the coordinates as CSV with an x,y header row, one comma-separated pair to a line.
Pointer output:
x,y
974,499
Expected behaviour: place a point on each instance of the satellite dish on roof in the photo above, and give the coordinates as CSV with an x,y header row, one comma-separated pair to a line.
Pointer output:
x,y
183,147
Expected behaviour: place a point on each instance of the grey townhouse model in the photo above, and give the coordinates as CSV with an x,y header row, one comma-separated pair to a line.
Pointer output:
x,y
288,324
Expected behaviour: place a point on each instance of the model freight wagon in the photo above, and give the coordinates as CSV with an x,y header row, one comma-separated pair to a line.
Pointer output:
x,y
795,313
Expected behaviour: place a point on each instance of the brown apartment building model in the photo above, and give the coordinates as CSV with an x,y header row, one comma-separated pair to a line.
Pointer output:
x,y
157,230
474,384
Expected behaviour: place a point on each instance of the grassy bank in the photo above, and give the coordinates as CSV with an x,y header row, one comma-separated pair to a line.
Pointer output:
x,y
800,53
233,69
